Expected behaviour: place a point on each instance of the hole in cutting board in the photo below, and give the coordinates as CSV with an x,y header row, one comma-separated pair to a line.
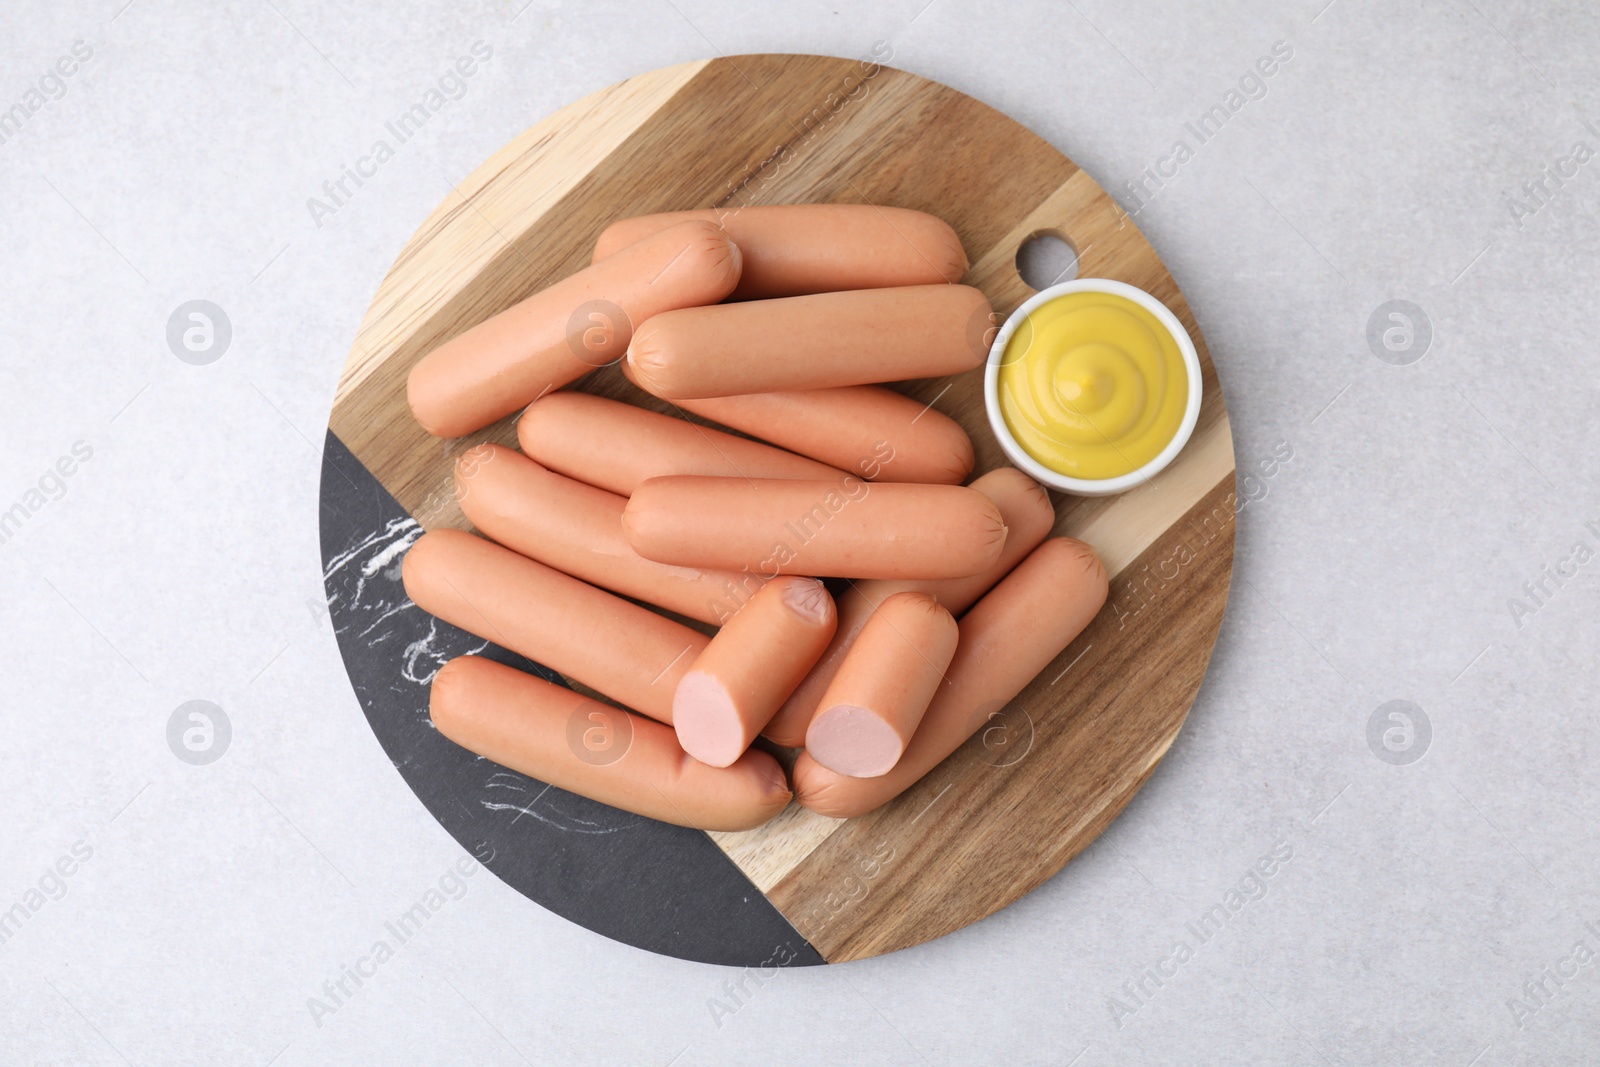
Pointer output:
x,y
1046,259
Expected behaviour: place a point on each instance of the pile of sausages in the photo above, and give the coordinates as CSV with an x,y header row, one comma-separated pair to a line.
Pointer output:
x,y
946,599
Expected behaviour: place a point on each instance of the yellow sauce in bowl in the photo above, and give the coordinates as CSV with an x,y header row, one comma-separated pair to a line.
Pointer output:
x,y
1092,385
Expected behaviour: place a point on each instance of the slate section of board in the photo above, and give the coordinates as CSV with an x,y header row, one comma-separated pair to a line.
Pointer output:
x,y
645,883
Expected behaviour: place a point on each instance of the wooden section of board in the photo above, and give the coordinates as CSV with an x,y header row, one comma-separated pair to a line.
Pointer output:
x,y
1031,791
983,828
1123,533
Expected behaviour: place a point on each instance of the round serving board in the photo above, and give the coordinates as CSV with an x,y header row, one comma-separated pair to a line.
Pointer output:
x,y
1020,799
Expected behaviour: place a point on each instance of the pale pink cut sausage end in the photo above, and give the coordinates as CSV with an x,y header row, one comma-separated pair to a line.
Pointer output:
x,y
855,741
706,720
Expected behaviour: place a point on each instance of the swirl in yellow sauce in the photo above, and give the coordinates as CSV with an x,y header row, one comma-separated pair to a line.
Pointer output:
x,y
1093,385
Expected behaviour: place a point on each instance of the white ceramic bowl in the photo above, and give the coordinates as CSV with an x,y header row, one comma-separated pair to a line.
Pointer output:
x,y
1092,486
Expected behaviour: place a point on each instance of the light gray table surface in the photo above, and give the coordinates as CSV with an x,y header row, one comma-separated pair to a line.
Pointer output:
x,y
1432,910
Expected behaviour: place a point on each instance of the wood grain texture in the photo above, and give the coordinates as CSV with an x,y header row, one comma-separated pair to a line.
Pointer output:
x,y
1002,815
771,129
1122,533
769,852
